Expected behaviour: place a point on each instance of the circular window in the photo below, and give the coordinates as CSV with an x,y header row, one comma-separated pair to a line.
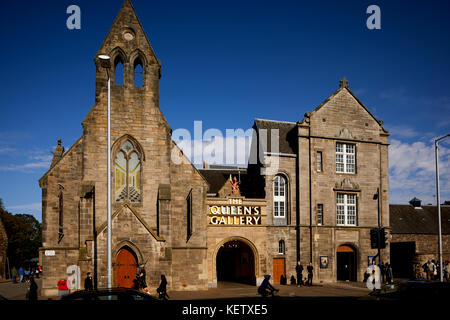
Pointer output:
x,y
128,35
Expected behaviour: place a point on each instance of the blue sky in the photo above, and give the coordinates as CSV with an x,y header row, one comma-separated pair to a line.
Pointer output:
x,y
226,63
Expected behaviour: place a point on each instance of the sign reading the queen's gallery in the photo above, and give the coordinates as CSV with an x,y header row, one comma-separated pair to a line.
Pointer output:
x,y
235,212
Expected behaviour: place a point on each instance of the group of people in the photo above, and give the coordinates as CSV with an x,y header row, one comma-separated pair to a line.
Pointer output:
x,y
139,283
25,274
431,271
307,281
376,275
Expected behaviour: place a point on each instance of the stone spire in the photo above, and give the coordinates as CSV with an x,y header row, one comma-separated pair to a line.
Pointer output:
x,y
58,154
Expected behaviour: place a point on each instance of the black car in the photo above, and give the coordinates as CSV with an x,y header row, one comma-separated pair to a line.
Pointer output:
x,y
412,290
113,294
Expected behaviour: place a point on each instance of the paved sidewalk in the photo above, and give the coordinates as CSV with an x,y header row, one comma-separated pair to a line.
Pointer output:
x,y
228,290
237,290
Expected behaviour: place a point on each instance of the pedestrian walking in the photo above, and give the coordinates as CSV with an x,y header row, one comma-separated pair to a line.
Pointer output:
x,y
27,274
88,283
310,269
389,274
374,280
32,293
382,267
21,274
447,271
162,289
14,275
299,271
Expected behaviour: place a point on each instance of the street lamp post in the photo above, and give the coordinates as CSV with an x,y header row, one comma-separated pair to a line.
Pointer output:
x,y
106,63
436,154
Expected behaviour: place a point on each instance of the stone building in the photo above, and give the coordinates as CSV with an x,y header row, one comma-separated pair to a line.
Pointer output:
x,y
307,193
414,230
158,206
318,178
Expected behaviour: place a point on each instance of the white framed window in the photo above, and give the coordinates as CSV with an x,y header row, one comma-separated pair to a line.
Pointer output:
x,y
319,214
319,161
345,158
346,209
279,197
281,247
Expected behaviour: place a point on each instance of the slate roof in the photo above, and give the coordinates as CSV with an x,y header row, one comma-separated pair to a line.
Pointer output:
x,y
287,132
405,219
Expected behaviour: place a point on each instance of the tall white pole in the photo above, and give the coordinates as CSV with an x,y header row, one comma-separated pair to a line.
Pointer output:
x,y
109,187
438,204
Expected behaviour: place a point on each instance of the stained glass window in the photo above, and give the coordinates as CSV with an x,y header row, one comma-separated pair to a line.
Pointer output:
x,y
127,167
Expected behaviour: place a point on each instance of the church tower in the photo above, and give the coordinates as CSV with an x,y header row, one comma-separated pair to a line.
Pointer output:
x,y
157,205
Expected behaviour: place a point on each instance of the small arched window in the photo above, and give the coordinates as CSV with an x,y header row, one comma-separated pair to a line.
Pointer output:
x,y
279,197
60,216
118,71
127,174
138,73
281,247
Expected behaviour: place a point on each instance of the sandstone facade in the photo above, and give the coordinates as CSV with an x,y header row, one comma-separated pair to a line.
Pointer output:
x,y
164,214
149,206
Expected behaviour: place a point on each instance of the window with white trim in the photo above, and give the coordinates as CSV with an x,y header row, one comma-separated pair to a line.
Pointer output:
x,y
319,161
346,209
345,158
281,247
319,214
279,197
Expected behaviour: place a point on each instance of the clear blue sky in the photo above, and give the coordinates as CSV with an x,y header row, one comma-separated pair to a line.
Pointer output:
x,y
226,63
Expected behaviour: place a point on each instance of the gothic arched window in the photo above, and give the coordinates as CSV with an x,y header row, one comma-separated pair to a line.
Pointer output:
x,y
118,71
127,174
138,73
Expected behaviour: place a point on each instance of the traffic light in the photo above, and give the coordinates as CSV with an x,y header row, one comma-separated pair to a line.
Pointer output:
x,y
374,238
383,238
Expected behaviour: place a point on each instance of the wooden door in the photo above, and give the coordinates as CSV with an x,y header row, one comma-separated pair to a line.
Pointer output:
x,y
126,267
279,268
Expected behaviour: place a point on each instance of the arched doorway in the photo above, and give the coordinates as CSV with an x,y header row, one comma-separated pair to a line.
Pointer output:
x,y
235,262
126,267
346,263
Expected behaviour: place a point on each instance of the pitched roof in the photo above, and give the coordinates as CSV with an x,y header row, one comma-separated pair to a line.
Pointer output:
x,y
287,132
409,220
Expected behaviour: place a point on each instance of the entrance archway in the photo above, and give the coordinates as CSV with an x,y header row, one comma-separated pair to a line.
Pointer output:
x,y
235,262
126,267
346,263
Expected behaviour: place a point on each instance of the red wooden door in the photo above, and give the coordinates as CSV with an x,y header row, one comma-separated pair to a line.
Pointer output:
x,y
126,267
279,268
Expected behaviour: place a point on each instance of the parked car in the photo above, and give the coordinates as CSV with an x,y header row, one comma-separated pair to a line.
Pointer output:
x,y
113,294
412,290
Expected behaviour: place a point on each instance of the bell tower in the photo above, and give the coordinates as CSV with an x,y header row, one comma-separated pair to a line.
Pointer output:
x,y
135,70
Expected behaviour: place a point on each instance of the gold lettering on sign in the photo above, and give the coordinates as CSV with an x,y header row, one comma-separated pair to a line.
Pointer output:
x,y
234,213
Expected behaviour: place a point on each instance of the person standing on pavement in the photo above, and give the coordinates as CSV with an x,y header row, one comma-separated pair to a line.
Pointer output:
x,y
88,283
430,270
310,269
389,274
32,295
14,275
299,271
